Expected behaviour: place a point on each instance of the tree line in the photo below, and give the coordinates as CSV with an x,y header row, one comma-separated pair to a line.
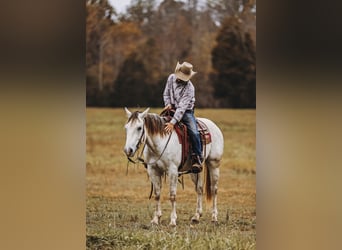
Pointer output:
x,y
129,56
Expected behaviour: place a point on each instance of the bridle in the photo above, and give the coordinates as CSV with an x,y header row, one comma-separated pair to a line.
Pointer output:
x,y
141,141
139,158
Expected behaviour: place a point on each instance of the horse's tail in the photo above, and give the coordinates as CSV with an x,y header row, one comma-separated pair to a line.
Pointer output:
x,y
207,183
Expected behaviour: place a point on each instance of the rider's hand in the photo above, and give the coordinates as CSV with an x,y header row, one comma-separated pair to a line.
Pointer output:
x,y
167,107
169,127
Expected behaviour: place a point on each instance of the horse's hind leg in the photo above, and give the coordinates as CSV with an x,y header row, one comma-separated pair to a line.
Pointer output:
x,y
198,181
214,172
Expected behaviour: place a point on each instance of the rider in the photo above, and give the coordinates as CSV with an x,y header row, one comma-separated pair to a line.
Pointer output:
x,y
179,93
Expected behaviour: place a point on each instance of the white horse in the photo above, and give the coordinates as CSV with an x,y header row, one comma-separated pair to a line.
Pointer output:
x,y
162,154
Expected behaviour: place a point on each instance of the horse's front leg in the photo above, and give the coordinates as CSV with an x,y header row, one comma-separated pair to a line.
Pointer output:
x,y
173,173
156,182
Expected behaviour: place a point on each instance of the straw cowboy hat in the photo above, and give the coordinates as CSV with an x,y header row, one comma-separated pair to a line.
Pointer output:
x,y
184,71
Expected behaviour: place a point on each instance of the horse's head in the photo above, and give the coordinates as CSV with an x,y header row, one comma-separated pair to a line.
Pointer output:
x,y
134,131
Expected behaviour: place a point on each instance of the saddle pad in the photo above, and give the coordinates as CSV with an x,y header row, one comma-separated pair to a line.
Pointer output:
x,y
204,132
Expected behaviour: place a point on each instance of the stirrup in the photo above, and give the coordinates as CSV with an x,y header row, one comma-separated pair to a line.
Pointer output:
x,y
184,172
193,170
196,165
196,169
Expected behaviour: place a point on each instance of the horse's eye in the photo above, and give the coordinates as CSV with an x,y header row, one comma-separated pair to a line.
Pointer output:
x,y
139,128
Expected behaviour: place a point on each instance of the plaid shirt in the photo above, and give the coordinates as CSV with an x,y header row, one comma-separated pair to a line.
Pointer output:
x,y
181,96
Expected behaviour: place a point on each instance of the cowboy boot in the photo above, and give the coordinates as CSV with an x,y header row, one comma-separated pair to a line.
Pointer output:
x,y
196,164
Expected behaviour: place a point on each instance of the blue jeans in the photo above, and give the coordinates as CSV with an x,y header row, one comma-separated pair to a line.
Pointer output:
x,y
190,121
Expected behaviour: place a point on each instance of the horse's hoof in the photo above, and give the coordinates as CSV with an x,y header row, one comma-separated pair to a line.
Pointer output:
x,y
215,222
172,224
155,221
194,220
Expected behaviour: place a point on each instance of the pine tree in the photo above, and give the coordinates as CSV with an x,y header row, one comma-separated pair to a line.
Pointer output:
x,y
233,61
130,86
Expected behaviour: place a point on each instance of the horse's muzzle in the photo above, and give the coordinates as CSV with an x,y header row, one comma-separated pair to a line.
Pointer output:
x,y
129,151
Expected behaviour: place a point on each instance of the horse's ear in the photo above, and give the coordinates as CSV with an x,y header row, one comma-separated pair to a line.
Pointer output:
x,y
143,114
128,113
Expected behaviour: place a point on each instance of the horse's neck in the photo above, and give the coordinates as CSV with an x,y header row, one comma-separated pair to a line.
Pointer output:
x,y
156,138
155,143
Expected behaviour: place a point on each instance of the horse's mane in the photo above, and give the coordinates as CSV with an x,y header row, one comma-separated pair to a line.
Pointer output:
x,y
154,123
133,117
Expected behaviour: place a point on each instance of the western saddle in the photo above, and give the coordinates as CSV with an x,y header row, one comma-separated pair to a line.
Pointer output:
x,y
183,136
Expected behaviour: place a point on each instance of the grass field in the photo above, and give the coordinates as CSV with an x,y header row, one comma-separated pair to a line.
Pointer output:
x,y
119,211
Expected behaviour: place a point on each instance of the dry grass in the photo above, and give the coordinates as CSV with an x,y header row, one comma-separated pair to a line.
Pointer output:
x,y
118,209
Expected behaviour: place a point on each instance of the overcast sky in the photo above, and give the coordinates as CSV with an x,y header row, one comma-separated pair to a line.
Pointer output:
x,y
120,5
